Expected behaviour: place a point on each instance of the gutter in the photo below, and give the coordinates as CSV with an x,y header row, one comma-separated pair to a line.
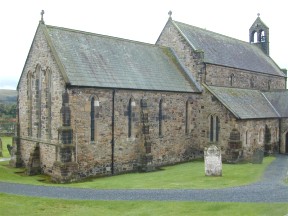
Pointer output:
x,y
280,136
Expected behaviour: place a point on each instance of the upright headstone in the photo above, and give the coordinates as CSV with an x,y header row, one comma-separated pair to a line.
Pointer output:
x,y
258,156
1,154
9,147
213,161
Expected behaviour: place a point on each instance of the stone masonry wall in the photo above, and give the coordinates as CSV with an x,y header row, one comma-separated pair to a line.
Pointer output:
x,y
215,74
173,146
192,60
253,135
209,105
40,65
253,129
221,76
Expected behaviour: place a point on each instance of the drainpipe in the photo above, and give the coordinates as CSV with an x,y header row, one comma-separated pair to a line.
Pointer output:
x,y
113,127
280,136
76,143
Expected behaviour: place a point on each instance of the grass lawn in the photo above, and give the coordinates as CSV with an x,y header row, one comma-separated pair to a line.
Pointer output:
x,y
21,205
187,175
5,142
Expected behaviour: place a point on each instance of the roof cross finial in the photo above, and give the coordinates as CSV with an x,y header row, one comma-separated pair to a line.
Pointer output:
x,y
42,13
170,14
258,14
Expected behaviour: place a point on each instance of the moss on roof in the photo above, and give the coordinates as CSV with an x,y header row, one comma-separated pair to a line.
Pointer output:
x,y
102,61
223,50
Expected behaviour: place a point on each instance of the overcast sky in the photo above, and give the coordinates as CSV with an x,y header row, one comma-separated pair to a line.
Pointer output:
x,y
139,20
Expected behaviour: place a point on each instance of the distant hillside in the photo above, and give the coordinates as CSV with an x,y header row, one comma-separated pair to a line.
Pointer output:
x,y
8,96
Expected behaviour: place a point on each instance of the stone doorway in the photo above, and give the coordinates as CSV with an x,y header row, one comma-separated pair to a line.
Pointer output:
x,y
286,143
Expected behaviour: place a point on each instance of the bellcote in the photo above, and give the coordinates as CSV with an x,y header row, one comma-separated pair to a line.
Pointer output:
x,y
259,35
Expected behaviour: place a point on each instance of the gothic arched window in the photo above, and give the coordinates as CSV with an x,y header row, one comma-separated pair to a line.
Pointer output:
x,y
38,88
92,120
188,117
261,136
214,128
231,79
269,84
247,137
161,117
29,99
94,114
48,102
130,117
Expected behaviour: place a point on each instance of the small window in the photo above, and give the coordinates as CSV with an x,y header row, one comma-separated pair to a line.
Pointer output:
x,y
252,82
247,138
130,117
261,136
269,84
92,120
188,117
267,135
214,128
231,79
161,117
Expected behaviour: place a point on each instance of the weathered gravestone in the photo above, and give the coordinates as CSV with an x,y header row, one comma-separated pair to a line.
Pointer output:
x,y
1,154
257,157
213,161
9,147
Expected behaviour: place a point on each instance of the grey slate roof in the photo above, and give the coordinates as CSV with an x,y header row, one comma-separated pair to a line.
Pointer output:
x,y
244,103
226,51
279,99
101,61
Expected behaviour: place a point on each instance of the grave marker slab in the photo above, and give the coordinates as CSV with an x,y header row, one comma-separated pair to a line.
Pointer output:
x,y
258,156
213,161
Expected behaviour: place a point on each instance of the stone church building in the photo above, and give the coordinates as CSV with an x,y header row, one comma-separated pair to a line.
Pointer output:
x,y
92,105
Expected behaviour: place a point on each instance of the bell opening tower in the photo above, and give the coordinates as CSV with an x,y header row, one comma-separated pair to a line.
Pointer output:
x,y
259,35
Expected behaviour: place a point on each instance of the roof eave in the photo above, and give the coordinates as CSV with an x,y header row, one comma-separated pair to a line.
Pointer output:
x,y
132,89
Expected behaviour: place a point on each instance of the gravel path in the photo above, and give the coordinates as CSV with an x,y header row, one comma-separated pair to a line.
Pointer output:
x,y
270,189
